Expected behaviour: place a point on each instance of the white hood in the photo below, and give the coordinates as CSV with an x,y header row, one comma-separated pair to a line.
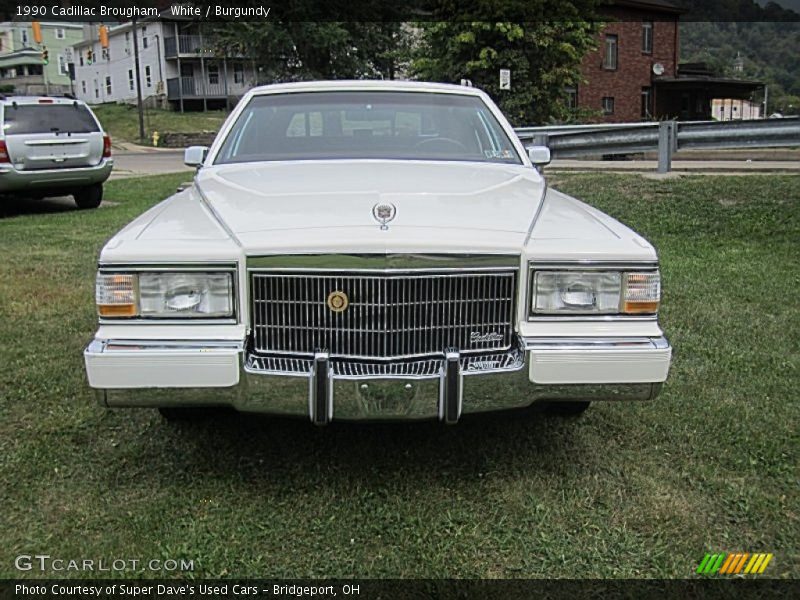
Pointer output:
x,y
327,205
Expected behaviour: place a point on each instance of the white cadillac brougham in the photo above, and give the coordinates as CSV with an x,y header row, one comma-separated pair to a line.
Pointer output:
x,y
374,250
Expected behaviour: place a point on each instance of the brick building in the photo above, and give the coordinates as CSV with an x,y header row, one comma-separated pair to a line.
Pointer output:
x,y
639,44
635,75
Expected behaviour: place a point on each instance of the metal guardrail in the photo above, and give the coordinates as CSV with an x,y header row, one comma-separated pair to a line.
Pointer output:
x,y
571,141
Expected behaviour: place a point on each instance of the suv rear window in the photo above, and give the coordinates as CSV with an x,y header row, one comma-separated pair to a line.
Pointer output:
x,y
46,118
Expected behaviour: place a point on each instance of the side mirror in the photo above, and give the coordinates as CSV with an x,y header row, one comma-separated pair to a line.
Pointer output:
x,y
539,155
195,156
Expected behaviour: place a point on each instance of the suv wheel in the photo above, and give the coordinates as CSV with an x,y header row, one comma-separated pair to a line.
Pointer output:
x,y
89,197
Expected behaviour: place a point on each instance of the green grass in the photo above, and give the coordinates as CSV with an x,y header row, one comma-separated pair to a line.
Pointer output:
x,y
122,123
628,490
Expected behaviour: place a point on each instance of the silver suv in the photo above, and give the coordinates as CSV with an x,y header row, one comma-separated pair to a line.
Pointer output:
x,y
52,147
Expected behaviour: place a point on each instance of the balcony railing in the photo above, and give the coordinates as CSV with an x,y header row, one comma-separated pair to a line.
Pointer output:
x,y
186,45
191,88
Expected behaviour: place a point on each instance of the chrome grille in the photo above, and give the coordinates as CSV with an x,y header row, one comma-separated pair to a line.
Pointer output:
x,y
390,315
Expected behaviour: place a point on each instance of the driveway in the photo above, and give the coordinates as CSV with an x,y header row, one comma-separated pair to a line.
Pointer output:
x,y
132,164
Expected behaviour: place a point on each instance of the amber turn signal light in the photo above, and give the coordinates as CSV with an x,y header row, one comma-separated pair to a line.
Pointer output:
x,y
116,310
641,293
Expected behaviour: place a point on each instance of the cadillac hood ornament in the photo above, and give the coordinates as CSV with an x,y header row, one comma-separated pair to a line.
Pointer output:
x,y
383,213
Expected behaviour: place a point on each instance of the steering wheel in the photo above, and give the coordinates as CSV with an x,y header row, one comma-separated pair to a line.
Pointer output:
x,y
438,140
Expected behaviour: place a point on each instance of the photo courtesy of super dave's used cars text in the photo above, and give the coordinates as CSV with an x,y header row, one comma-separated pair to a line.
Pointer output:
x,y
374,250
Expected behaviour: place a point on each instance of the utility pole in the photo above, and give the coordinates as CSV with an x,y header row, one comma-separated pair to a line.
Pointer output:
x,y
138,82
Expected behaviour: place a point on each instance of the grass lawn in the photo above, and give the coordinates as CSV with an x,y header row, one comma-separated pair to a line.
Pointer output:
x,y
122,123
627,490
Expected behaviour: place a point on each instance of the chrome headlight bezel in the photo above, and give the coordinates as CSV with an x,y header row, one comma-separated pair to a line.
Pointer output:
x,y
631,279
151,280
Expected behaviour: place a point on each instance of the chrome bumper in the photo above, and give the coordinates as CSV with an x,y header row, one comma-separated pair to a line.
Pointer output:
x,y
183,374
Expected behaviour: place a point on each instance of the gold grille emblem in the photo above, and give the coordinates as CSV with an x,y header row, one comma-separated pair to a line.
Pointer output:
x,y
338,301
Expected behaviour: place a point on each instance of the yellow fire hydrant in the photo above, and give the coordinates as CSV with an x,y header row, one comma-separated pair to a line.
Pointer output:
x,y
155,138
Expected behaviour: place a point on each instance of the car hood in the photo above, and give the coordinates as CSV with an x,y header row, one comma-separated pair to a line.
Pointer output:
x,y
328,205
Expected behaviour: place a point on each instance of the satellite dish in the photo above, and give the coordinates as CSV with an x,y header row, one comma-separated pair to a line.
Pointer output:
x,y
658,69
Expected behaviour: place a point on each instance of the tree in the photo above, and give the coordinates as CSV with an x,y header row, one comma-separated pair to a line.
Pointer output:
x,y
305,50
544,58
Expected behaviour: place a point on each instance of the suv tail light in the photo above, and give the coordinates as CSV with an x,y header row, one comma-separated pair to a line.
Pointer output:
x,y
4,158
106,146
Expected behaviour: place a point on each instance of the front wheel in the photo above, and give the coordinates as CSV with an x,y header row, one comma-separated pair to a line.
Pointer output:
x,y
571,408
89,197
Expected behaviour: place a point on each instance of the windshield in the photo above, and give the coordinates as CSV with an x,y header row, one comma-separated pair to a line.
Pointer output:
x,y
357,124
47,118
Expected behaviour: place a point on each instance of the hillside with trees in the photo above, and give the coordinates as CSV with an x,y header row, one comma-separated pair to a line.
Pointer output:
x,y
744,40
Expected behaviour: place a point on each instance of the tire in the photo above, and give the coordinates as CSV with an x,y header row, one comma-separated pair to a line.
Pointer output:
x,y
89,197
572,408
175,414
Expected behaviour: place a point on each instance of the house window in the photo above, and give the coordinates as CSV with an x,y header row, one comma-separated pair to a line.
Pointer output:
x,y
608,105
647,103
571,93
213,74
80,57
610,59
59,33
144,42
108,86
647,37
148,80
83,86
62,65
130,79
238,73
96,90
24,37
128,42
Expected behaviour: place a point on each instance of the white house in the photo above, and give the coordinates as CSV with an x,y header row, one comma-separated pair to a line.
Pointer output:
x,y
176,63
727,109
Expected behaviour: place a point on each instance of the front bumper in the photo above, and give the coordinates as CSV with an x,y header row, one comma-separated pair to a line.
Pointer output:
x,y
189,374
56,180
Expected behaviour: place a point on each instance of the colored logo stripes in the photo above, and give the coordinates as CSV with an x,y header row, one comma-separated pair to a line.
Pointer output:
x,y
734,563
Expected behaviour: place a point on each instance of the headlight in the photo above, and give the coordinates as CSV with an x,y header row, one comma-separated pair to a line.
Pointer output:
x,y
165,294
595,292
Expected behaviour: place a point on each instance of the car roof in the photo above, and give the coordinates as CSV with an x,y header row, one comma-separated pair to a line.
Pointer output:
x,y
367,84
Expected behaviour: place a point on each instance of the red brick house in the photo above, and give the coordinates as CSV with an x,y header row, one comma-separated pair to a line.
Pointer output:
x,y
634,74
639,44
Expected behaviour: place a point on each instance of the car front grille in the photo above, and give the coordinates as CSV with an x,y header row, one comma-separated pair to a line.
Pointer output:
x,y
388,315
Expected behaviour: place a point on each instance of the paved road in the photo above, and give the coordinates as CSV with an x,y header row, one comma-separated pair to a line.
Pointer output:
x,y
127,164
696,167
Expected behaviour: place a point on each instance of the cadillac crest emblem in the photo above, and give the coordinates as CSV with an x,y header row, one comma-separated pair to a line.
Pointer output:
x,y
338,301
383,213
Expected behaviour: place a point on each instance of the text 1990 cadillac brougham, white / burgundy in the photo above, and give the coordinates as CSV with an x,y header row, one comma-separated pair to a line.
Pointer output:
x,y
374,250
